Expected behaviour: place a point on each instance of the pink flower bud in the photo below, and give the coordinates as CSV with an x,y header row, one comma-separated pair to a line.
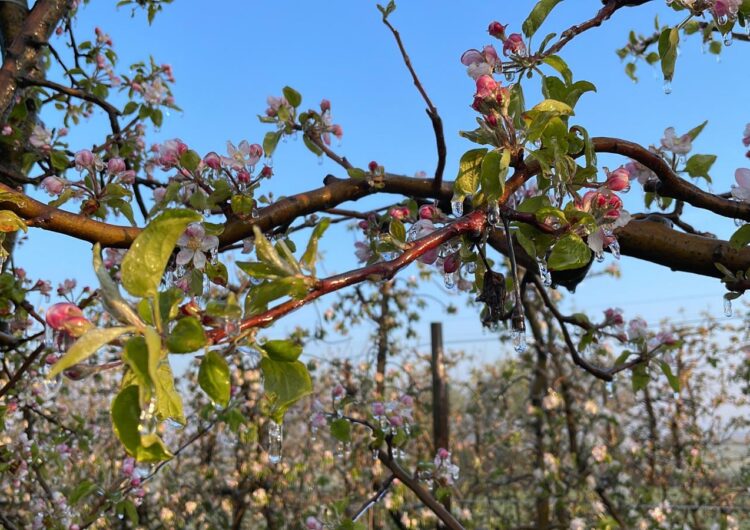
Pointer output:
x,y
378,409
63,131
115,166
337,131
212,160
619,179
373,166
58,314
427,211
127,177
7,130
159,194
243,176
407,401
451,263
53,185
443,454
84,159
497,30
486,86
338,391
325,105
399,212
363,224
514,45
266,172
137,87
613,317
396,420
491,120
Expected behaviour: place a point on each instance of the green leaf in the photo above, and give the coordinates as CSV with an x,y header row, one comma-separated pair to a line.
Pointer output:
x,y
267,254
469,172
570,252
740,238
270,141
168,400
190,160
356,173
187,336
699,165
87,345
292,96
556,62
341,429
640,377
283,350
673,380
695,131
143,266
538,14
284,383
135,355
213,378
556,108
311,252
111,298
82,490
126,414
668,41
397,230
10,222
59,160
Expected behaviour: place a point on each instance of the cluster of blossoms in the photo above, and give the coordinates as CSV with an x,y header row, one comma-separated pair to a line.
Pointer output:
x,y
66,322
741,191
723,10
103,41
394,414
607,209
133,477
445,471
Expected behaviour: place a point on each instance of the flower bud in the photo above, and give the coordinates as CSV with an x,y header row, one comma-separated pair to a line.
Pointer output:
x,y
325,105
212,160
53,185
115,166
497,30
399,212
514,45
373,166
619,179
451,263
84,159
486,87
427,211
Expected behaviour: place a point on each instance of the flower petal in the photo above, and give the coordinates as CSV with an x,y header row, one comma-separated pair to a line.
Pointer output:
x,y
184,256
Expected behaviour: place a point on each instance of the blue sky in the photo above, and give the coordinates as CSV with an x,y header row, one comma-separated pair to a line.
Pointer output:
x,y
229,57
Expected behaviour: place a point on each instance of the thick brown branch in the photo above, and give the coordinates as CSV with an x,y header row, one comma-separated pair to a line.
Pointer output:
x,y
670,185
22,55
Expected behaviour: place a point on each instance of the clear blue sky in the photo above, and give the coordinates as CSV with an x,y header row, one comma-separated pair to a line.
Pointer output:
x,y
229,56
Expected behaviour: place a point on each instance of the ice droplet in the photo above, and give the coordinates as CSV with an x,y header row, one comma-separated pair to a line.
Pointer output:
x,y
457,207
470,267
667,86
610,387
320,160
275,440
739,222
728,39
148,420
450,280
676,395
519,340
544,271
723,19
493,215
614,248
727,307
599,255
509,76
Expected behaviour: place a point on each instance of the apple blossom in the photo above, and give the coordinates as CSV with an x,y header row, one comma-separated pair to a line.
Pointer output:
x,y
619,179
724,9
741,191
53,185
193,244
637,329
7,130
681,145
514,45
399,212
115,165
41,138
497,30
68,318
639,172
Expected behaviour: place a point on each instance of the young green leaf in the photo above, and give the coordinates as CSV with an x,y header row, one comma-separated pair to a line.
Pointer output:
x,y
285,383
87,345
187,336
213,378
537,16
283,350
143,265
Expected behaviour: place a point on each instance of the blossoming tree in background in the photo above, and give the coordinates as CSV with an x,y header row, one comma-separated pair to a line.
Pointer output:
x,y
528,210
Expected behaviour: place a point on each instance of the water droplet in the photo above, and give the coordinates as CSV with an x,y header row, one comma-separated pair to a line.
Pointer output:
x,y
374,454
470,267
728,39
148,420
610,388
667,86
676,396
320,160
727,307
49,333
544,272
739,222
457,207
519,340
723,19
275,440
493,215
174,424
510,76
614,248
599,256
121,516
450,280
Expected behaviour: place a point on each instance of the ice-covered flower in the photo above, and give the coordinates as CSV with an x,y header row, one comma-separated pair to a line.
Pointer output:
x,y
637,329
741,192
639,172
154,93
514,45
679,145
246,154
362,251
194,243
41,138
53,185
726,8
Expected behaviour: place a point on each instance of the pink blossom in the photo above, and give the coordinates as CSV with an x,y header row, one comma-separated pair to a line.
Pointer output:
x,y
167,69
745,135
274,104
159,193
372,166
613,316
428,211
246,154
318,420
726,8
637,329
443,454
84,159
312,523
451,263
115,165
101,62
53,185
170,152
154,92
362,251
619,179
325,105
378,409
127,177
681,145
67,317
486,87
338,391
399,212
497,30
7,130
741,192
212,160
514,45
337,131
41,138
639,172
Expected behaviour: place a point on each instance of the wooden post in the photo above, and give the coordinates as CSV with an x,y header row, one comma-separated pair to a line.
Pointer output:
x,y
440,402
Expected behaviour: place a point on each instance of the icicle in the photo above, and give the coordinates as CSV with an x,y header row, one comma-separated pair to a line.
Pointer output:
x,y
728,38
148,420
510,76
599,256
667,86
320,160
727,307
470,267
450,280
457,207
493,215
610,387
739,222
614,248
544,271
275,440
519,340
